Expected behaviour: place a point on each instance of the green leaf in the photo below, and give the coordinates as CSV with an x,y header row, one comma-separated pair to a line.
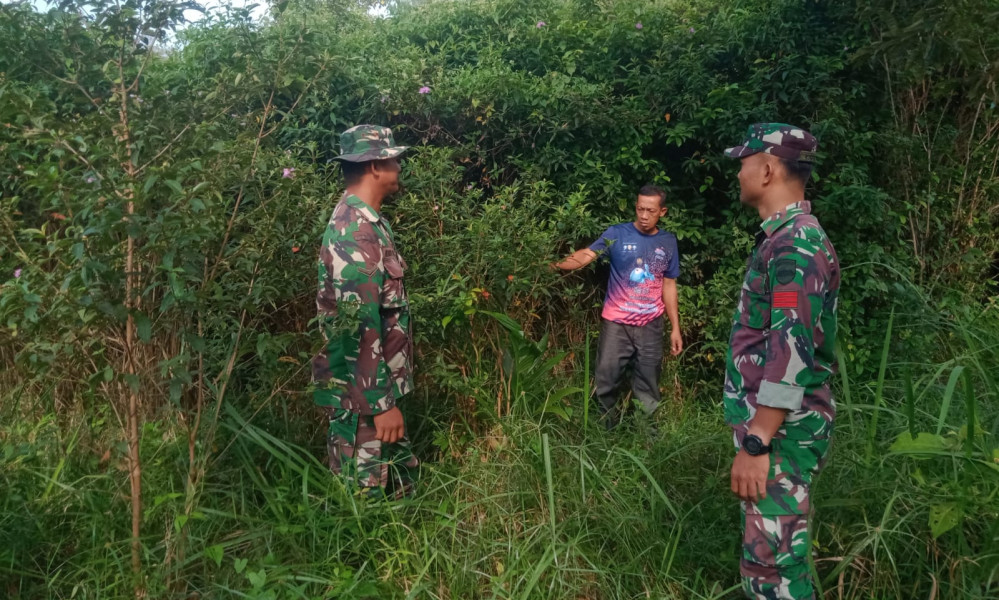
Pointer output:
x,y
179,521
944,517
257,579
239,564
165,497
215,554
150,182
923,442
133,382
504,320
143,327
174,185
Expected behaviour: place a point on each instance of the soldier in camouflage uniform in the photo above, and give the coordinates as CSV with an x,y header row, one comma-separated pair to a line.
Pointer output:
x,y
366,365
780,361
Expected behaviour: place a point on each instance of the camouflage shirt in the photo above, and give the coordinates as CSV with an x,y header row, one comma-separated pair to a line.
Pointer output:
x,y
367,362
781,352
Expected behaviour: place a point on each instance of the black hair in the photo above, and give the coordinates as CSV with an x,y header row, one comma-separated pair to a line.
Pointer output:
x,y
797,170
654,190
352,171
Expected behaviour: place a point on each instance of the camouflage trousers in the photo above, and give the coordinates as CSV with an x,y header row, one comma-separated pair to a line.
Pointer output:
x,y
775,537
367,465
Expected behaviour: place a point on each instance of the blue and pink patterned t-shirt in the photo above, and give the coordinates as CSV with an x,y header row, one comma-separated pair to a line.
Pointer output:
x,y
638,264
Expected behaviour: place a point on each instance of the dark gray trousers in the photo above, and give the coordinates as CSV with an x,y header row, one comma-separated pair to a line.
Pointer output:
x,y
619,345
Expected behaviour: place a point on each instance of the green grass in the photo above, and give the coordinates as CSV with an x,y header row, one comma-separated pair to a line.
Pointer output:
x,y
532,507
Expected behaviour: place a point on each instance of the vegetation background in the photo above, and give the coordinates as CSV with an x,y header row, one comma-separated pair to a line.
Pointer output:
x,y
164,189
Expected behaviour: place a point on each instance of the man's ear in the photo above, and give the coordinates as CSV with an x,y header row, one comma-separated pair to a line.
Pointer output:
x,y
769,172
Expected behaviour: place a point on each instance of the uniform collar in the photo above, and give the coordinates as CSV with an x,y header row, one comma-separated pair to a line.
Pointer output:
x,y
359,205
778,219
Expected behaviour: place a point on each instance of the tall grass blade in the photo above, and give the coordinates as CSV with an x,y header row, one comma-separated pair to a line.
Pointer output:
x,y
969,402
417,586
652,480
955,376
537,573
872,430
586,380
982,358
551,486
844,373
62,464
910,401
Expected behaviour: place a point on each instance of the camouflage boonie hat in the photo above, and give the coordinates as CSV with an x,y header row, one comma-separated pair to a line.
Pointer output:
x,y
368,142
779,139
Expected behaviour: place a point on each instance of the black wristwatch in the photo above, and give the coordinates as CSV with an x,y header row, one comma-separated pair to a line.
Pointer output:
x,y
754,446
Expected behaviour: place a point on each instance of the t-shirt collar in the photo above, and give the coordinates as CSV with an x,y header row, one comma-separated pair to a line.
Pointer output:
x,y
639,231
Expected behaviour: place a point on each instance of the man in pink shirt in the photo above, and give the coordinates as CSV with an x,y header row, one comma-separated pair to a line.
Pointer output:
x,y
644,264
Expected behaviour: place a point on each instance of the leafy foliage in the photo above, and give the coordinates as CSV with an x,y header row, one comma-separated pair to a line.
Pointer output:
x,y
161,206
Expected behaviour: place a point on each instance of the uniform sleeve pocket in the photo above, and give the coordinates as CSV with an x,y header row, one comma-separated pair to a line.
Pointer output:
x,y
393,265
394,291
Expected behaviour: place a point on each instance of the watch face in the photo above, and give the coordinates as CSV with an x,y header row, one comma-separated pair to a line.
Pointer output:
x,y
752,444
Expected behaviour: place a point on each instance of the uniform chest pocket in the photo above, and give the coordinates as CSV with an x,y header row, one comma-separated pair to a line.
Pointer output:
x,y
394,290
754,301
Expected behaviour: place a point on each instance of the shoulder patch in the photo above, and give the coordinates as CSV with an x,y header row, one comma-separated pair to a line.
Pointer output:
x,y
785,271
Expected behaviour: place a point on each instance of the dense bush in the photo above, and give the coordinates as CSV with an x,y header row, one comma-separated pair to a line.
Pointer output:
x,y
162,202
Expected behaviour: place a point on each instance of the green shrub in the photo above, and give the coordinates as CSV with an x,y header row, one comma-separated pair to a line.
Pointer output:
x,y
161,209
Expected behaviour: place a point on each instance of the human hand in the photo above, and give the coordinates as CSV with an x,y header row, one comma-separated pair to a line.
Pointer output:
x,y
389,426
749,476
675,342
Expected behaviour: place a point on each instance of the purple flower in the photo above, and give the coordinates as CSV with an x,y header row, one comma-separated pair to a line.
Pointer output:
x,y
541,24
17,273
91,179
424,90
638,25
289,172
692,30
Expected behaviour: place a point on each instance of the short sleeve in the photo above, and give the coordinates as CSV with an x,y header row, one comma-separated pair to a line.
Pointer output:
x,y
673,265
603,242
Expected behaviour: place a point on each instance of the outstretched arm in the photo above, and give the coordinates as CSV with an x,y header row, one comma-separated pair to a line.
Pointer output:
x,y
578,259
